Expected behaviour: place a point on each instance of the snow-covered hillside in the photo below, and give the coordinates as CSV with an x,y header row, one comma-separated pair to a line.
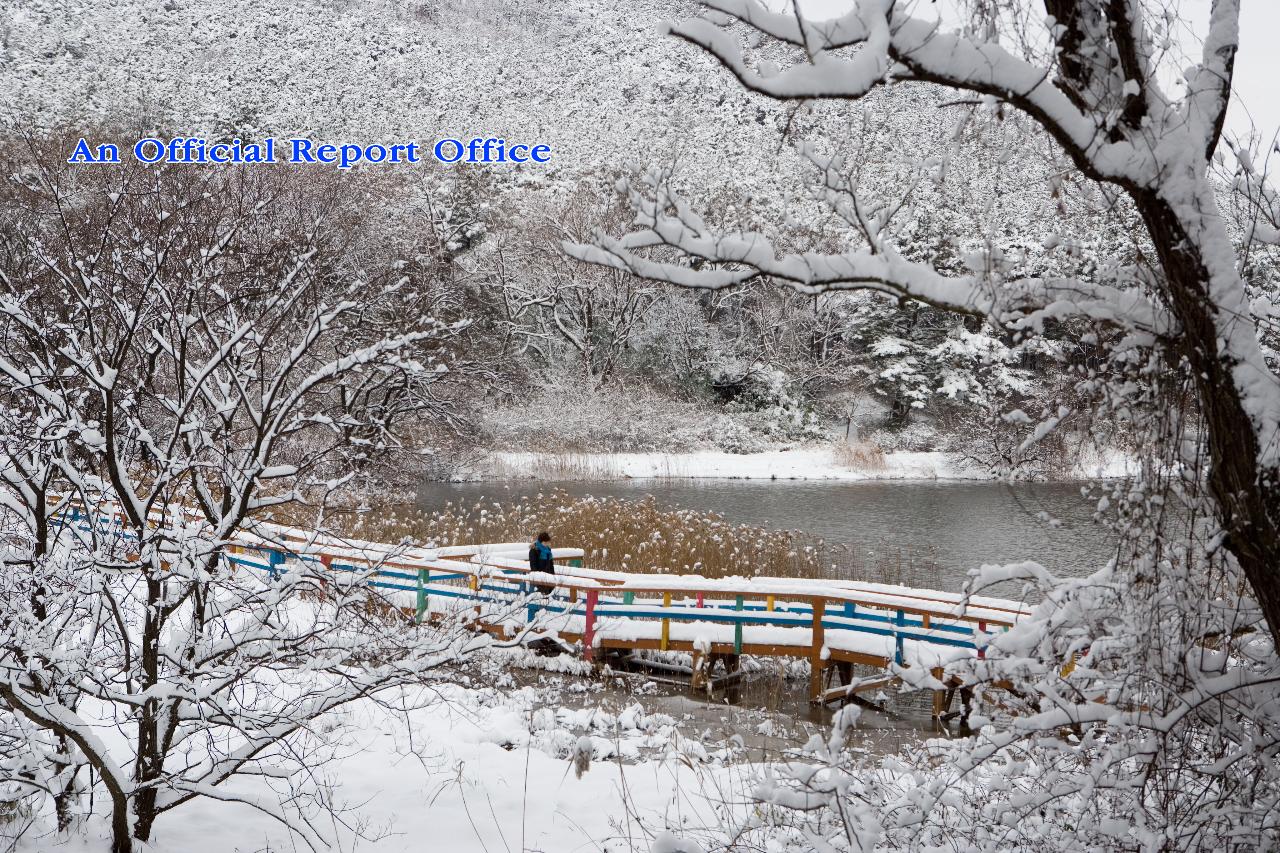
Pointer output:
x,y
596,82
589,78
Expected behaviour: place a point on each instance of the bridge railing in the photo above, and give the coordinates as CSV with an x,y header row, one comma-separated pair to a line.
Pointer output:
x,y
737,615
821,620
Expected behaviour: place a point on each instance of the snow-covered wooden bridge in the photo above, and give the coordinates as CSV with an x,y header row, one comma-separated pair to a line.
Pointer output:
x,y
832,624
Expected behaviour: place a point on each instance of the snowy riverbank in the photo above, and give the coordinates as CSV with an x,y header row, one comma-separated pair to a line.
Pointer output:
x,y
824,462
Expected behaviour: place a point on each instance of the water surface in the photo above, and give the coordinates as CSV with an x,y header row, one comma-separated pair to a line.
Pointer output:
x,y
959,525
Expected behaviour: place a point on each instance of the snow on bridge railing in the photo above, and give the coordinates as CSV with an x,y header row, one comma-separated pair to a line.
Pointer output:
x,y
867,622
882,622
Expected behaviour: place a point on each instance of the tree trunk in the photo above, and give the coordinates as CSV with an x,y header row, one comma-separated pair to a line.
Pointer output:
x,y
121,837
144,813
65,797
148,766
1247,495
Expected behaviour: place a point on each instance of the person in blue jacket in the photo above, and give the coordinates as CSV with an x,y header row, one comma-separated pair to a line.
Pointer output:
x,y
541,560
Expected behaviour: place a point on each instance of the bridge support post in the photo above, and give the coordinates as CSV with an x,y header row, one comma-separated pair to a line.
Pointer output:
x,y
701,666
816,661
326,561
474,583
900,621
939,696
845,670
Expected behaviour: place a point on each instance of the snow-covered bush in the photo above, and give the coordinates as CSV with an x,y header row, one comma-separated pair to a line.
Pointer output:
x,y
779,411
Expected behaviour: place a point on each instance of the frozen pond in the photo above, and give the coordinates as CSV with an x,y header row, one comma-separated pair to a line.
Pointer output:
x,y
957,524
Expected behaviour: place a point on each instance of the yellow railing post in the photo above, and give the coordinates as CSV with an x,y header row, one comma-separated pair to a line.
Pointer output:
x,y
666,623
816,661
475,590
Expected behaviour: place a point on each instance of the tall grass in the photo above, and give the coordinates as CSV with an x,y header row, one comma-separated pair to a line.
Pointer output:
x,y
642,536
568,465
858,455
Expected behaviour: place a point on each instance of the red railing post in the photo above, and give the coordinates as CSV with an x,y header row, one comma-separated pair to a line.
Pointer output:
x,y
327,562
589,632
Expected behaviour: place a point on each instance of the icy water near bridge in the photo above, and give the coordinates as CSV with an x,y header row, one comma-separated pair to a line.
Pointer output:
x,y
957,525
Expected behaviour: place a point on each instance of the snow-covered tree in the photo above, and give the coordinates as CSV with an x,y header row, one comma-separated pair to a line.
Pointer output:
x,y
184,355
1137,708
1087,73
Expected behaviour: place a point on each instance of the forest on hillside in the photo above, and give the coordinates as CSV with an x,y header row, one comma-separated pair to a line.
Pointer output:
x,y
967,185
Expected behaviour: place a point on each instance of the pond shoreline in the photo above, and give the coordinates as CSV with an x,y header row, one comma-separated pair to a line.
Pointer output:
x,y
824,462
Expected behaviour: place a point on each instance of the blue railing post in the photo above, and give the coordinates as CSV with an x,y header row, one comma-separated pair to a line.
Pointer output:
x,y
737,628
897,637
274,559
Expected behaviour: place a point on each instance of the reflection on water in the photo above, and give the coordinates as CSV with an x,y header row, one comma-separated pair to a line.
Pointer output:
x,y
958,525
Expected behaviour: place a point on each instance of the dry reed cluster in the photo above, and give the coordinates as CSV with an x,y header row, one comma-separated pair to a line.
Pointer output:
x,y
639,536
858,455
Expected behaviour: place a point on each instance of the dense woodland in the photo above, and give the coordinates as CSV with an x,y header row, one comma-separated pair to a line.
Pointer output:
x,y
967,184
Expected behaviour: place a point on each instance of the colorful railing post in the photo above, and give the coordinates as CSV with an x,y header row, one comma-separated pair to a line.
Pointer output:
x,y
897,637
666,624
274,560
628,598
737,628
326,562
424,577
589,630
816,660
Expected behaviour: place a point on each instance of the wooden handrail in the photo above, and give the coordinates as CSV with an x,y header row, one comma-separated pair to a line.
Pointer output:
x,y
498,572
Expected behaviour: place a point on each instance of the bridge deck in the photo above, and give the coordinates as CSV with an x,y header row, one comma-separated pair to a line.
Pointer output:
x,y
823,621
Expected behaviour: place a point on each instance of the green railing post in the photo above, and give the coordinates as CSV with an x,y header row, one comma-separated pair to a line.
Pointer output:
x,y
737,629
424,577
628,598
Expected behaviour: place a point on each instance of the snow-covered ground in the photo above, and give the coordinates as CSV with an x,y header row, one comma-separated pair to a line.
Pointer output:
x,y
478,769
810,463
